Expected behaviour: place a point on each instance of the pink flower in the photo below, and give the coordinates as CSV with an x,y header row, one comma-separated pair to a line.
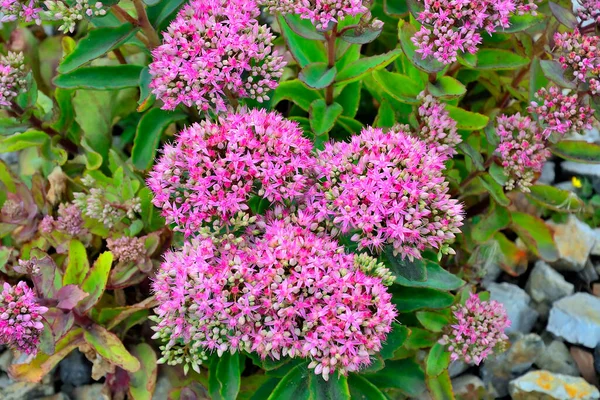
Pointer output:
x,y
214,169
522,150
437,129
215,49
127,249
69,221
388,188
26,10
478,330
561,113
286,292
12,76
20,318
579,55
451,27
589,11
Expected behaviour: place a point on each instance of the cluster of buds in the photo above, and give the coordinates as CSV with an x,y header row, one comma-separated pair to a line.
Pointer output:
x,y
589,10
579,56
12,77
70,16
437,128
24,10
69,221
127,249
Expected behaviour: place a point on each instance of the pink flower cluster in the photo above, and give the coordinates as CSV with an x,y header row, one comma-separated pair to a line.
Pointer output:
x,y
214,169
127,249
452,26
437,129
579,56
26,10
215,49
389,188
322,13
478,330
12,77
69,221
287,292
561,113
522,150
589,11
20,318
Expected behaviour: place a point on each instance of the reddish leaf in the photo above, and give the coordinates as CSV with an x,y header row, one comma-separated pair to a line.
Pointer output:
x,y
68,296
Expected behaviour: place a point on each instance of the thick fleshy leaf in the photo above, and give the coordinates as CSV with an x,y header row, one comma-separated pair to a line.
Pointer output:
x,y
317,75
437,278
68,296
564,16
519,23
335,388
409,299
496,219
446,87
395,8
362,389
143,381
474,155
440,387
577,150
224,377
467,120
553,71
497,59
555,199
362,36
536,235
20,141
146,99
405,375
294,385
364,66
323,116
420,339
78,265
437,360
110,347
303,27
433,321
296,92
514,259
395,339
412,270
101,78
304,51
400,87
95,282
495,190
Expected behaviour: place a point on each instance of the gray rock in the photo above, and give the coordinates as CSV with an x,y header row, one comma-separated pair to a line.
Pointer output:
x,y
576,319
547,285
544,385
162,388
557,359
592,170
468,385
90,392
26,390
597,359
75,369
596,249
517,304
548,173
543,310
567,185
588,274
456,368
6,359
574,240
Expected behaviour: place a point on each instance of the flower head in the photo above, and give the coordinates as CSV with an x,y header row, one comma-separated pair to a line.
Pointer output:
x,y
68,221
389,188
579,55
215,49
127,249
477,331
522,150
25,10
287,292
71,15
213,169
12,77
561,113
20,318
589,10
438,130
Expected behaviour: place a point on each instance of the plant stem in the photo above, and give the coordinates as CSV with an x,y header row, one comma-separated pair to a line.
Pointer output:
x,y
330,43
120,56
124,15
515,83
145,24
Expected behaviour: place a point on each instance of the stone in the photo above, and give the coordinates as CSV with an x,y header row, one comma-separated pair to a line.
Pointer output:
x,y
456,368
517,304
545,284
58,396
544,385
548,173
163,388
588,274
557,358
468,385
26,390
591,170
75,369
576,319
574,240
567,185
6,359
585,364
596,249
90,392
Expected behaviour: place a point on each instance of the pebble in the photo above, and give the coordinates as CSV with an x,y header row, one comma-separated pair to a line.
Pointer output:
x,y
548,173
557,359
517,304
545,284
576,319
544,385
574,241
588,274
90,392
75,369
468,385
576,168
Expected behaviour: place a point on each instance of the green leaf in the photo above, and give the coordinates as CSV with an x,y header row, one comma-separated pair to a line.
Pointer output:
x,y
437,278
101,78
496,219
295,92
446,87
405,375
519,23
349,99
294,385
146,99
20,141
412,270
399,87
303,50
78,265
537,78
148,133
564,16
555,199
536,235
225,377
143,381
432,321
335,388
395,339
495,190
467,120
361,36
109,347
409,299
437,360
553,71
420,339
317,75
95,282
359,68
473,154
323,117
577,150
362,389
406,32
497,59
386,117
96,43
440,387
303,27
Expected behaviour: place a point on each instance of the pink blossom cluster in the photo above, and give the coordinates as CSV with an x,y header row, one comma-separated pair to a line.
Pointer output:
x,y
20,318
69,221
478,330
12,77
214,50
215,168
579,56
127,249
437,129
522,149
452,26
322,13
25,10
589,10
561,113
286,292
387,188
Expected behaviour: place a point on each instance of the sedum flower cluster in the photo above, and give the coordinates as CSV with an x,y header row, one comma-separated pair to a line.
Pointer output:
x,y
559,113
20,318
12,77
127,249
478,330
589,10
25,10
579,56
69,221
212,51
71,15
451,27
522,150
437,128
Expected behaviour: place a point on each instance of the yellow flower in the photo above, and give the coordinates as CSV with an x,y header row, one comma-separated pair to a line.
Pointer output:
x,y
576,182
